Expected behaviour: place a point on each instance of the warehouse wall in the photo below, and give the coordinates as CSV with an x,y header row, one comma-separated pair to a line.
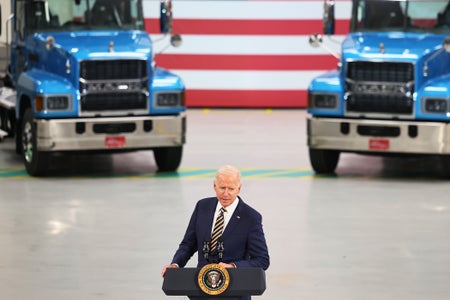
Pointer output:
x,y
247,53
5,4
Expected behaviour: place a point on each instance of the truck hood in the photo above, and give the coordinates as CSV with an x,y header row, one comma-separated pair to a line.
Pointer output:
x,y
102,44
397,45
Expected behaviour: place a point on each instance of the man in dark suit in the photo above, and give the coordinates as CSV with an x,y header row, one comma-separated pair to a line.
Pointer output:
x,y
244,243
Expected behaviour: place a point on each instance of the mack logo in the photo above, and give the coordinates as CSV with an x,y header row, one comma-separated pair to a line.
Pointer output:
x,y
380,88
111,87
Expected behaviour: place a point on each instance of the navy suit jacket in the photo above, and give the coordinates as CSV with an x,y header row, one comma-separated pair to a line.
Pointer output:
x,y
243,238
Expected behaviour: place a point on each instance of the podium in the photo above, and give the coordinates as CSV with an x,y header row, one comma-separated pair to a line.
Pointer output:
x,y
188,282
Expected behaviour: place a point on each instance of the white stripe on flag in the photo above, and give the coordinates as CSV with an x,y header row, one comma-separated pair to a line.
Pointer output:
x,y
247,80
247,10
246,45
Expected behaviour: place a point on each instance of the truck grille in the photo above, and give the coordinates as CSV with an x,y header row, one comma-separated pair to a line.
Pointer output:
x,y
380,87
118,101
113,87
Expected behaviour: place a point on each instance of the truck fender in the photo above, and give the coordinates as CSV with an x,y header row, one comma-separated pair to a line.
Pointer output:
x,y
40,83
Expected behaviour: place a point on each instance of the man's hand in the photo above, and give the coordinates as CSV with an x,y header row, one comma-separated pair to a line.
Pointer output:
x,y
225,265
166,267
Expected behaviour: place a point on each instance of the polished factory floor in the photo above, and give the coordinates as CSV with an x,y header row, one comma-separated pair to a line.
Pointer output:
x,y
101,227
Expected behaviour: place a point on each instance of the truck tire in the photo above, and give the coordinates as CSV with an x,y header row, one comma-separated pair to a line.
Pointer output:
x,y
323,161
168,159
35,161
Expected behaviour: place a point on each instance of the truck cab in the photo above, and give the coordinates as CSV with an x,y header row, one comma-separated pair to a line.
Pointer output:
x,y
82,77
390,92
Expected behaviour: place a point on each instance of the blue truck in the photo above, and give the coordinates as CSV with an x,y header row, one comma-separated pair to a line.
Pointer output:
x,y
390,92
81,77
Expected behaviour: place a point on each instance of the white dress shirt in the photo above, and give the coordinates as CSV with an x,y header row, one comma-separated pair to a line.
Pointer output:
x,y
226,215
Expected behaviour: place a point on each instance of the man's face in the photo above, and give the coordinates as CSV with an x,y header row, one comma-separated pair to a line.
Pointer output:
x,y
227,188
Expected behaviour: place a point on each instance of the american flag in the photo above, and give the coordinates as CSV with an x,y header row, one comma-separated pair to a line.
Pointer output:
x,y
246,53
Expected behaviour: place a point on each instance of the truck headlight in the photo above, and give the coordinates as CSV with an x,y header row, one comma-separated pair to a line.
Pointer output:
x,y
58,103
169,99
328,101
436,105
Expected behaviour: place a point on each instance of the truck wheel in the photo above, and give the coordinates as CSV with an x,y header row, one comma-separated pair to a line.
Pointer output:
x,y
323,161
35,161
168,159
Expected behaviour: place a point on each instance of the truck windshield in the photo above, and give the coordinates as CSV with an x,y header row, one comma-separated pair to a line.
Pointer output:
x,y
76,15
404,15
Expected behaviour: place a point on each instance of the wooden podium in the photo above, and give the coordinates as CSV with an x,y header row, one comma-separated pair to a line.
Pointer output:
x,y
189,282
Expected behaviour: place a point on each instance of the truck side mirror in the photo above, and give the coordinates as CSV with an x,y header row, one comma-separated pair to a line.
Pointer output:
x,y
165,18
446,45
328,17
315,40
175,40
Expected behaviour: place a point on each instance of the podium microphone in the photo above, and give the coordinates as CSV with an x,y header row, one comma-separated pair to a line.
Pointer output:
x,y
206,249
220,248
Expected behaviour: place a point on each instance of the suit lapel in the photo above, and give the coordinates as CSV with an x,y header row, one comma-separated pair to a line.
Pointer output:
x,y
208,219
234,220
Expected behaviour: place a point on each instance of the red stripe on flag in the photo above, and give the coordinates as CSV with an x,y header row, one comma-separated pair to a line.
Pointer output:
x,y
246,62
247,98
246,27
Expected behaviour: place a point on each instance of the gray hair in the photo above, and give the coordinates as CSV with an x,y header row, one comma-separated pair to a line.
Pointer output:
x,y
228,170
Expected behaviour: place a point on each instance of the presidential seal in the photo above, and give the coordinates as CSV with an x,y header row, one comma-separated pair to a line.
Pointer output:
x,y
213,279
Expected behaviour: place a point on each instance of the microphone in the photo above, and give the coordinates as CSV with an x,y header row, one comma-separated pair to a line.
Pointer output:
x,y
220,248
206,249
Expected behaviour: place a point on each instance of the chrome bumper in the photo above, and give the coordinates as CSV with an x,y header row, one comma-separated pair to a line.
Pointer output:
x,y
355,135
80,134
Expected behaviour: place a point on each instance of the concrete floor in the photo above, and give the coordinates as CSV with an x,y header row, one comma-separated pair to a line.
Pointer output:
x,y
101,227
